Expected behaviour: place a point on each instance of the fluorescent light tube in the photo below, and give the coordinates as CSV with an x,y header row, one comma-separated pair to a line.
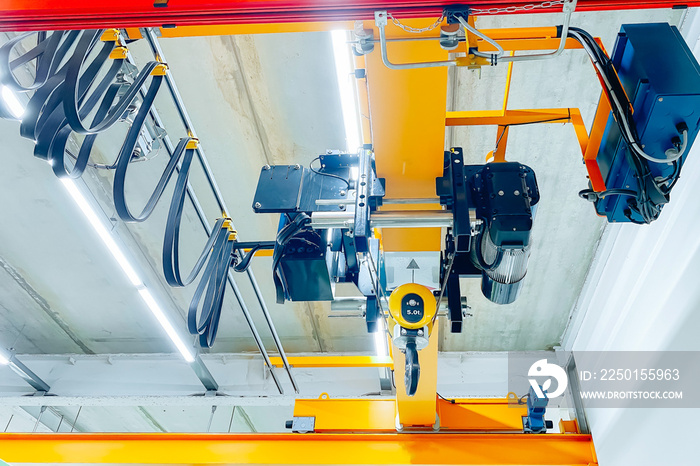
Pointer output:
x,y
345,71
165,323
103,233
380,339
126,267
12,102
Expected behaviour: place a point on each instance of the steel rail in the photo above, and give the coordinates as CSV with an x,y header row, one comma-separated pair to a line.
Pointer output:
x,y
30,15
359,304
388,219
385,201
415,448
184,116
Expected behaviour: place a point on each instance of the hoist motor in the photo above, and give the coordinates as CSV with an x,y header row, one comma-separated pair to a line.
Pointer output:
x,y
493,208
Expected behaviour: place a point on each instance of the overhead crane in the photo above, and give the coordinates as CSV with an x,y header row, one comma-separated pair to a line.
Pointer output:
x,y
337,220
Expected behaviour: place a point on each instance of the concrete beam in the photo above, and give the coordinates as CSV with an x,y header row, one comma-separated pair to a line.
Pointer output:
x,y
130,379
134,401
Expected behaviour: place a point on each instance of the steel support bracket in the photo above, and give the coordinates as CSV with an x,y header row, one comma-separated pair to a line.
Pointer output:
x,y
381,18
302,424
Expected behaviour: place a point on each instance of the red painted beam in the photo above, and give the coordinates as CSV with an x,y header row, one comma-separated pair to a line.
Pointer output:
x,y
33,15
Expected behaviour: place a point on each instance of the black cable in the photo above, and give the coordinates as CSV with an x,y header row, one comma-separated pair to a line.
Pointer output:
x,y
675,178
125,156
171,240
296,225
205,322
205,307
327,174
590,195
564,120
47,52
245,263
447,399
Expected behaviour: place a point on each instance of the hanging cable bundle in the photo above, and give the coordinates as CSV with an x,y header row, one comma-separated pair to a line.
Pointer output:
x,y
213,282
290,230
73,81
64,97
218,250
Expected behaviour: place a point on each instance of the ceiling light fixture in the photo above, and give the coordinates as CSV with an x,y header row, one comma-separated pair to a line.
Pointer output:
x,y
102,231
12,102
126,267
380,339
345,72
4,360
165,323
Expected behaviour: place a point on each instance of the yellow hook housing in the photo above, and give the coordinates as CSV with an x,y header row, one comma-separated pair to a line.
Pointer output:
x,y
412,306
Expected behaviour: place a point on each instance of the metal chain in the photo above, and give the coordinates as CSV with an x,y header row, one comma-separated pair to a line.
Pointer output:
x,y
515,9
413,30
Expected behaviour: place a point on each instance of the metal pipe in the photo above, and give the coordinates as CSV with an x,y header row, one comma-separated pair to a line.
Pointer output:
x,y
359,304
361,315
385,201
398,39
27,374
476,32
411,219
157,51
385,219
349,304
211,417
335,201
424,200
568,7
273,331
38,418
381,20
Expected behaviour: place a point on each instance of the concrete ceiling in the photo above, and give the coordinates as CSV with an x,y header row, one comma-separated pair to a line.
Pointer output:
x,y
274,99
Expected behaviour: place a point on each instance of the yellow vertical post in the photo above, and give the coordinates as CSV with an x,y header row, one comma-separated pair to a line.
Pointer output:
x,y
420,409
407,109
